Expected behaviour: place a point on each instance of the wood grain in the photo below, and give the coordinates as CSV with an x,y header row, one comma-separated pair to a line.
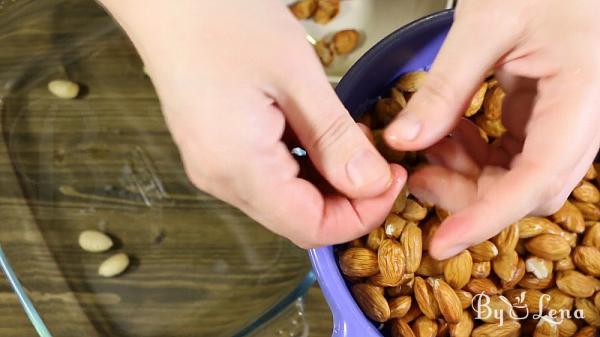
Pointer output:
x,y
106,160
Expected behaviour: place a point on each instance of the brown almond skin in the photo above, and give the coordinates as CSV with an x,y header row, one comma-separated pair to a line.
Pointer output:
x,y
549,246
507,239
425,327
464,327
592,236
597,300
344,41
400,328
303,9
564,264
481,269
483,252
587,259
484,285
576,284
374,238
559,300
412,246
505,265
426,299
531,300
517,276
590,313
591,173
587,331
414,211
393,226
477,100
529,281
371,301
391,260
492,104
464,297
448,301
430,267
567,328
570,218
359,262
586,192
411,82
533,226
508,329
546,329
457,271
590,211
399,306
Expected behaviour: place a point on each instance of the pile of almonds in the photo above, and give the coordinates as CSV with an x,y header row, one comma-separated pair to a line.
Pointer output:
x,y
536,268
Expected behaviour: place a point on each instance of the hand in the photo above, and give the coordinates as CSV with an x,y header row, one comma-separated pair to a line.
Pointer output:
x,y
545,55
230,76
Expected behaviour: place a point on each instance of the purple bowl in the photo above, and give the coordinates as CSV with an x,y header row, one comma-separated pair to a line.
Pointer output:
x,y
410,48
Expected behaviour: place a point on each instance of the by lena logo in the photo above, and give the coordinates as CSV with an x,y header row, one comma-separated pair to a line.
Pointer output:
x,y
481,305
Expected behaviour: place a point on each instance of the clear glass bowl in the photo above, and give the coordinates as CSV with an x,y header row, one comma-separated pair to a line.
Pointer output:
x,y
106,161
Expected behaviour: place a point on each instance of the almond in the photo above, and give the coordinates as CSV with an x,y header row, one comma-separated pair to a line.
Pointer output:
x,y
590,313
592,236
576,284
374,238
441,213
517,276
591,173
400,328
482,286
477,100
411,82
391,261
94,241
429,229
393,225
457,270
464,327
492,104
399,306
587,331
414,211
527,300
359,262
586,192
589,211
381,281
425,327
303,9
597,300
549,246
505,265
559,300
400,202
413,313
372,302
443,328
425,298
464,297
430,267
566,328
570,218
412,246
481,269
546,327
507,329
587,259
564,264
448,302
533,226
398,96
507,239
492,127
483,252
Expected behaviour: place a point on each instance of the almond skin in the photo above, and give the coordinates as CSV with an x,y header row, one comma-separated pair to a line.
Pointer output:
x,y
592,236
414,211
559,300
425,327
570,218
464,297
546,327
426,299
587,259
359,262
447,300
508,329
505,265
399,306
391,260
483,252
400,328
586,192
576,284
590,313
590,211
372,302
531,299
464,327
481,269
484,285
457,271
374,238
533,226
412,246
507,239
549,246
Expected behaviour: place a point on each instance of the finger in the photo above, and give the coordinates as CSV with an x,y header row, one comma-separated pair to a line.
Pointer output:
x,y
449,153
297,210
561,135
442,187
467,54
335,144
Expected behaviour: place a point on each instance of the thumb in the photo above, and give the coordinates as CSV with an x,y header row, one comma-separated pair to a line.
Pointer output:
x,y
471,49
336,145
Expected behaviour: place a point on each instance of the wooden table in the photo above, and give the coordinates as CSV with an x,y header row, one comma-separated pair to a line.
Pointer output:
x,y
106,161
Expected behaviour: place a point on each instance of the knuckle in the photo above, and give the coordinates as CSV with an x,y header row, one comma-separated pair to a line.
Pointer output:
x,y
335,131
438,90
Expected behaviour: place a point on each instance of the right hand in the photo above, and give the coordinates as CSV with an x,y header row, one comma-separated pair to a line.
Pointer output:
x,y
231,75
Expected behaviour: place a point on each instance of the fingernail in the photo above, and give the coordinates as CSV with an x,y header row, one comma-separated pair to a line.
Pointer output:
x,y
406,127
366,168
